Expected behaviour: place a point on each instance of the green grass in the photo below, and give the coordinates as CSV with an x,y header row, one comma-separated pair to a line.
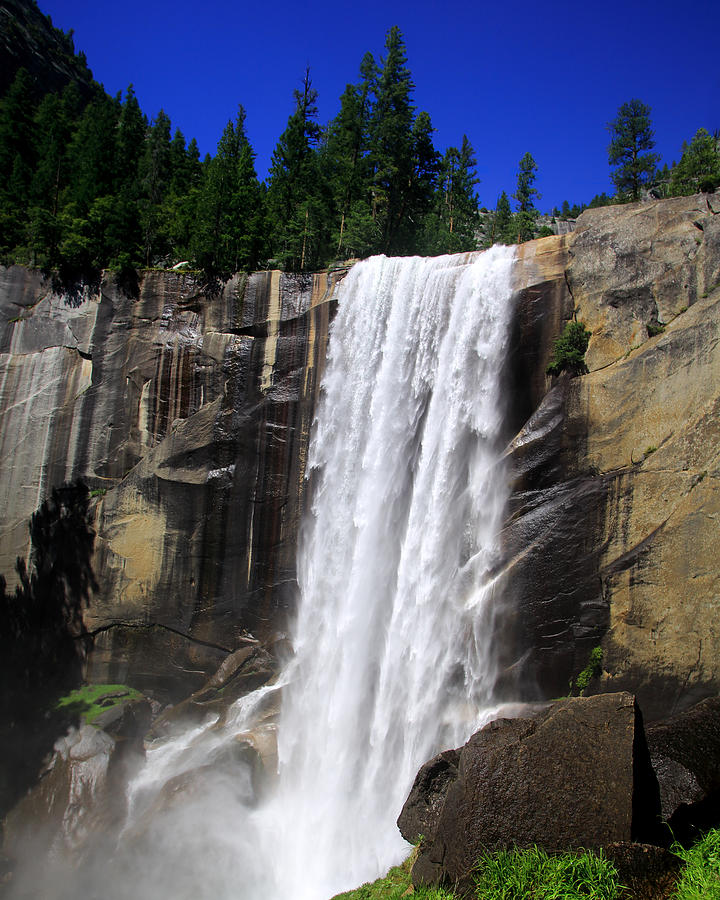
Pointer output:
x,y
533,873
92,700
394,885
517,874
700,878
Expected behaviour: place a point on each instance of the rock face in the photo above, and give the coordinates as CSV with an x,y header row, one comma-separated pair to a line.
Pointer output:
x,y
577,775
614,516
82,789
188,416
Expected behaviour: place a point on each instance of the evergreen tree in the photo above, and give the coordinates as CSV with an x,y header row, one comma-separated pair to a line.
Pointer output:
x,y
130,146
298,198
179,212
699,167
155,171
524,194
631,140
54,123
453,225
503,230
17,158
392,142
92,160
344,155
229,235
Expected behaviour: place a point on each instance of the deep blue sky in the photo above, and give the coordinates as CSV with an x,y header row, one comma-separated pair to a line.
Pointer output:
x,y
515,76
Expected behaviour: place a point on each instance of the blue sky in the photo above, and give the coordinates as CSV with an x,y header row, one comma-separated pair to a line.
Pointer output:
x,y
515,75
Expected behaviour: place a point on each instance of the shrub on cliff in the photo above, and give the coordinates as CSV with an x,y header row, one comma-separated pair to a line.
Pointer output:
x,y
569,350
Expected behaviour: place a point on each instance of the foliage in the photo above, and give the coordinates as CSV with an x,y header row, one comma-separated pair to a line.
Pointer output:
x,y
517,874
394,885
699,167
89,182
453,223
297,194
569,350
503,231
525,192
631,140
700,878
591,670
92,700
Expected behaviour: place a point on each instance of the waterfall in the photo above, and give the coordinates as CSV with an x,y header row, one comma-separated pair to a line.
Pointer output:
x,y
397,566
396,560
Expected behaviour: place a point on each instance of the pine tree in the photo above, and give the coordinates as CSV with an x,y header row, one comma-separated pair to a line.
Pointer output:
x,y
298,197
631,140
392,142
17,150
453,225
130,145
525,193
699,167
503,230
92,158
343,157
229,234
155,171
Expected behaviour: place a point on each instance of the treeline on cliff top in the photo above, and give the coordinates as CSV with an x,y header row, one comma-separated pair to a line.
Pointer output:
x,y
88,182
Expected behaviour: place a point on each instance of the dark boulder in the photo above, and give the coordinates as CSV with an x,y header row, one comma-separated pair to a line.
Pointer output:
x,y
421,811
577,775
646,871
685,752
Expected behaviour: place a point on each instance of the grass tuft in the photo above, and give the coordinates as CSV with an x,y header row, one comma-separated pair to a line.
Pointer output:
x,y
700,878
517,874
396,884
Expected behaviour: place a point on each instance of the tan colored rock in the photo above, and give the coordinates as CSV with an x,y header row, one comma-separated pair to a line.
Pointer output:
x,y
613,533
639,265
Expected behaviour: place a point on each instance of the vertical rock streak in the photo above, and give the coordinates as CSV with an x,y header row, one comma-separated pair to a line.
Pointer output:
x,y
396,559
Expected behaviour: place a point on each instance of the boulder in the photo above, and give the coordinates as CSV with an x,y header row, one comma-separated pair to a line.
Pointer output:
x,y
685,753
577,775
79,793
421,811
648,872
241,672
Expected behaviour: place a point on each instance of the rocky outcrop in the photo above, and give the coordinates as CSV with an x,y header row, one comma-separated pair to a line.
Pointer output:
x,y
188,415
575,775
81,790
614,515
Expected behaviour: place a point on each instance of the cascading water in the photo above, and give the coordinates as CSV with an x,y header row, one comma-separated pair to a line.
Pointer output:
x,y
396,569
396,562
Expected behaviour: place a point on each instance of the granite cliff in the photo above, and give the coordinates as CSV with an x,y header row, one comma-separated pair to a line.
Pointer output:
x,y
188,417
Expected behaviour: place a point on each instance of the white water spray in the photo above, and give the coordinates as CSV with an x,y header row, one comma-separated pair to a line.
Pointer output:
x,y
396,562
396,568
